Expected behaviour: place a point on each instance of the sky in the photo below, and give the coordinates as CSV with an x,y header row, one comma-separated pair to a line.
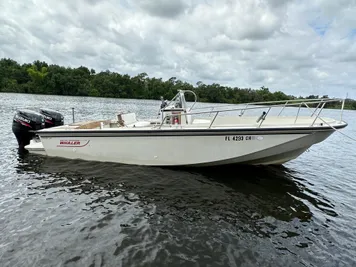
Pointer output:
x,y
299,47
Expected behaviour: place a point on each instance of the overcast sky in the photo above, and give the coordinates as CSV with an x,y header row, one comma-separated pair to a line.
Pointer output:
x,y
300,47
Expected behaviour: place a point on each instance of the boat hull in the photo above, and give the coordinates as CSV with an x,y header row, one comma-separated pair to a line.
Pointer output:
x,y
185,150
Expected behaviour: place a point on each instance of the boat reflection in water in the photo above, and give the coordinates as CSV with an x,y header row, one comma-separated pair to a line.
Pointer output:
x,y
248,192
191,211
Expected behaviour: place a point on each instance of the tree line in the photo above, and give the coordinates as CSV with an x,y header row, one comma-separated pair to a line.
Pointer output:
x,y
41,78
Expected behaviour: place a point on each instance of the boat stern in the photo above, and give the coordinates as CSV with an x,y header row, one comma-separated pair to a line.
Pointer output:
x,y
36,147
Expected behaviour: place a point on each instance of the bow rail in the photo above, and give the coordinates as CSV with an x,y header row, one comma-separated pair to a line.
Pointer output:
x,y
266,105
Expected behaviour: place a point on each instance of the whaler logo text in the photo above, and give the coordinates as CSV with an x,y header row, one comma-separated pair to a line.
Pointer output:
x,y
69,142
73,143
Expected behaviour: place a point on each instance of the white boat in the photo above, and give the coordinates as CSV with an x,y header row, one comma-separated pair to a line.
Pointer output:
x,y
184,136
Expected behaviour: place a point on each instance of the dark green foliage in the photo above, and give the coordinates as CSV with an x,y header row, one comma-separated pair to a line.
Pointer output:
x,y
41,78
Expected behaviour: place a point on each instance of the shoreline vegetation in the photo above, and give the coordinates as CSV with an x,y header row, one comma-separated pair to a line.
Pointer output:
x,y
41,78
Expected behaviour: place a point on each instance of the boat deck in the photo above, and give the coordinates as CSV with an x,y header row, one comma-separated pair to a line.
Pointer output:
x,y
202,123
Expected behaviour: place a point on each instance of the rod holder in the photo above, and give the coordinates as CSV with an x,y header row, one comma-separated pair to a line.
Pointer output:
x,y
262,117
73,114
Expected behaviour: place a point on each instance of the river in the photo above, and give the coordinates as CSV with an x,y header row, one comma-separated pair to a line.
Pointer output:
x,y
57,212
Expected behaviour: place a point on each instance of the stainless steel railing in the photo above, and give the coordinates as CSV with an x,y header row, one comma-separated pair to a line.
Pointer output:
x,y
270,104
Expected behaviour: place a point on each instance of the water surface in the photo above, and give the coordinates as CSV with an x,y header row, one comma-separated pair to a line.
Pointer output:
x,y
57,212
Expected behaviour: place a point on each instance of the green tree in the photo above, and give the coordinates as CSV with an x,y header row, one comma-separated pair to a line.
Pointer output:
x,y
39,77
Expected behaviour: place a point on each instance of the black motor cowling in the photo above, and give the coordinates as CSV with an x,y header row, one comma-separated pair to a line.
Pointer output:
x,y
52,118
24,123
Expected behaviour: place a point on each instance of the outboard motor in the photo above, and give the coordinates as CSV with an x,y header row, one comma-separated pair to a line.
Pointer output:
x,y
24,123
52,118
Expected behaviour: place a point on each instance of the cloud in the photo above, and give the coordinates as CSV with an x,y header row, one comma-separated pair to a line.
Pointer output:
x,y
162,8
296,46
